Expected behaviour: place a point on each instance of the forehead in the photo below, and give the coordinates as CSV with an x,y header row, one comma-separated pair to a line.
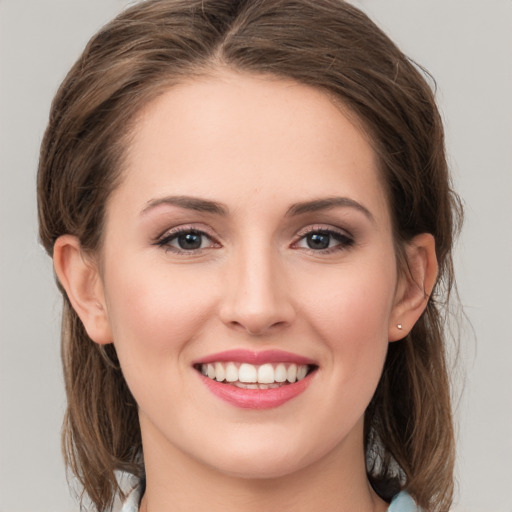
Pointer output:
x,y
237,135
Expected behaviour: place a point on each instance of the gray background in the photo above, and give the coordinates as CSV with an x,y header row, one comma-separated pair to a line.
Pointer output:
x,y
466,45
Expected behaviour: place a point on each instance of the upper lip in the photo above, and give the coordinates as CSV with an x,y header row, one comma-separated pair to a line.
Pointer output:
x,y
255,357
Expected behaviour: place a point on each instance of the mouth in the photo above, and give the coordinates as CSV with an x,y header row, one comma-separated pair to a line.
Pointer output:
x,y
251,376
256,380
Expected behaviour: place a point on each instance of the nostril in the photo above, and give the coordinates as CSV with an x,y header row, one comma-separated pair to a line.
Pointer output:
x,y
256,326
262,327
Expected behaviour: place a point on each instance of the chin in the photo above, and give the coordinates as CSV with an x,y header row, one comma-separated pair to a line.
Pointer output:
x,y
263,460
260,468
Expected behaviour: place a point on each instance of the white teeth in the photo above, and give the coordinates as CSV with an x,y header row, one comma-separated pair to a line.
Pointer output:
x,y
247,373
301,371
220,372
231,372
280,373
266,374
256,386
291,374
250,376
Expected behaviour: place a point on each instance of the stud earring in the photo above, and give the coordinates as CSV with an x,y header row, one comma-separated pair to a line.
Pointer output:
x,y
399,326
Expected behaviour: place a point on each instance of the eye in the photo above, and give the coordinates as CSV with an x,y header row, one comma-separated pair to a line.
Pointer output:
x,y
324,240
189,241
186,241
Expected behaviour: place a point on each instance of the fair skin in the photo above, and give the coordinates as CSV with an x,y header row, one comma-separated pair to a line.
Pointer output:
x,y
251,218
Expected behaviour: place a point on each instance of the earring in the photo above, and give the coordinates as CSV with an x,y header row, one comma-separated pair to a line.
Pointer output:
x,y
399,326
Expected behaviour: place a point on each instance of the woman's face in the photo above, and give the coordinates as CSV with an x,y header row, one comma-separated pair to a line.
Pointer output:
x,y
250,239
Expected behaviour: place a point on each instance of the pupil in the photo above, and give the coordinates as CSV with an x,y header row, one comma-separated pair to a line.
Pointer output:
x,y
189,241
318,241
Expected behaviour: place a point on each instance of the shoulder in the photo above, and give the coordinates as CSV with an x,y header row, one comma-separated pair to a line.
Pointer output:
x,y
403,502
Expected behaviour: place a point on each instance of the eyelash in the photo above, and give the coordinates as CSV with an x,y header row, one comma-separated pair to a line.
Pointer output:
x,y
165,240
345,241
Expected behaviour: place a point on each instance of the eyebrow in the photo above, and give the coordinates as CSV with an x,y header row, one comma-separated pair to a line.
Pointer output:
x,y
205,205
189,203
326,204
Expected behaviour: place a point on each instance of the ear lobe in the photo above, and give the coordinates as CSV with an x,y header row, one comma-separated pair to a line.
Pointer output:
x,y
415,285
79,275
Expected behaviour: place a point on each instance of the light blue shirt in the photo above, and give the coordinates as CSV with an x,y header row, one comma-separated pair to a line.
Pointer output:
x,y
402,502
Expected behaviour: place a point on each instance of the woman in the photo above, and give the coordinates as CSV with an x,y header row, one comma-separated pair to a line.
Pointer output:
x,y
250,216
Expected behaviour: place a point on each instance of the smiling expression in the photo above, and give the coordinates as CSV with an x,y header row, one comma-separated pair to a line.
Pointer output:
x,y
249,275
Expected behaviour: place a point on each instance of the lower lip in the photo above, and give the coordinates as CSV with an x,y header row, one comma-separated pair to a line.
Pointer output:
x,y
257,398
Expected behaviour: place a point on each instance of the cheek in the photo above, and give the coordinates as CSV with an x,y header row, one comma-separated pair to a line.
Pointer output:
x,y
355,303
357,340
155,312
350,314
154,316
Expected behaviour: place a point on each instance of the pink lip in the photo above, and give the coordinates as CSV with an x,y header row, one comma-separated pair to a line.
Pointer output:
x,y
256,398
256,358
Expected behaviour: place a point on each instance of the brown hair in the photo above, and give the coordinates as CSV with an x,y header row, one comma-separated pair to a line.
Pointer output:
x,y
327,44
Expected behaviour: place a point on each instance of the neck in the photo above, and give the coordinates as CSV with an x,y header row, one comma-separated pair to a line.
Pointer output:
x,y
336,482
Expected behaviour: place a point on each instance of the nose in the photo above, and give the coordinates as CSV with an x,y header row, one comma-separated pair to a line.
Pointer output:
x,y
257,298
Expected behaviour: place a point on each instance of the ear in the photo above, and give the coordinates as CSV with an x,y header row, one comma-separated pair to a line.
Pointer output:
x,y
415,285
79,275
